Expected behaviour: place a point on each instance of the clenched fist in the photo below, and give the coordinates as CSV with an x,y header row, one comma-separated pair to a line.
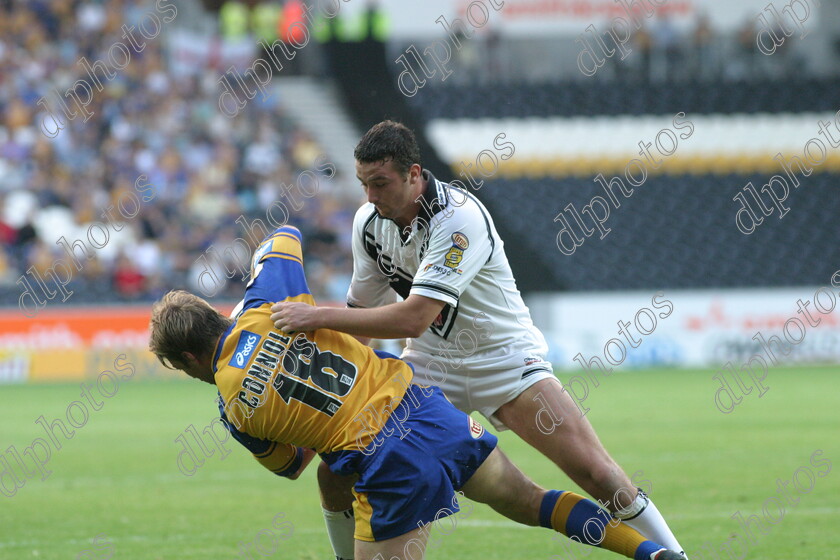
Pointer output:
x,y
294,316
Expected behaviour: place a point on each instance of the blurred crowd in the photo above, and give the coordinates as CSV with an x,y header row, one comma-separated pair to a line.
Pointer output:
x,y
699,53
658,51
206,169
154,120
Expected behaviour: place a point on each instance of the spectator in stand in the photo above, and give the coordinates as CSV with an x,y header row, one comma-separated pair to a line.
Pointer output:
x,y
233,20
704,63
744,63
129,283
643,42
667,49
207,170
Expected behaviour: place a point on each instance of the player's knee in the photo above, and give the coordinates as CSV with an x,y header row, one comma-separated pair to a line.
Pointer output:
x,y
336,490
326,478
523,506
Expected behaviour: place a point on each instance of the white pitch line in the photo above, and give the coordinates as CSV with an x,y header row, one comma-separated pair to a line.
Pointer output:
x,y
470,523
145,538
719,515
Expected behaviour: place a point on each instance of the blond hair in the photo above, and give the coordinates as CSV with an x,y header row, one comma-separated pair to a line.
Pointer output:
x,y
183,322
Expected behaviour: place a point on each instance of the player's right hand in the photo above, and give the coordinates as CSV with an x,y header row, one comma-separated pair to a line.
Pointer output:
x,y
294,316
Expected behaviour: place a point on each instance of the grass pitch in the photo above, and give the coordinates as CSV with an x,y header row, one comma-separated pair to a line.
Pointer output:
x,y
117,477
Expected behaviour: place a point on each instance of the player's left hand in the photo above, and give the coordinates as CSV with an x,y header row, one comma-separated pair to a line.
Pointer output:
x,y
293,316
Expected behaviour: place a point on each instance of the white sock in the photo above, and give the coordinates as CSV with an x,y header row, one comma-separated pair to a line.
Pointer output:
x,y
643,516
340,528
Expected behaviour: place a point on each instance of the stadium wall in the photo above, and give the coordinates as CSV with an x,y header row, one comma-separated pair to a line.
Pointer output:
x,y
76,343
690,328
562,18
589,330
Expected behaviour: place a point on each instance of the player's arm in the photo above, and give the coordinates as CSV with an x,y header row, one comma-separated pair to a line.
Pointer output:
x,y
371,311
363,339
283,459
276,269
404,319
458,248
300,458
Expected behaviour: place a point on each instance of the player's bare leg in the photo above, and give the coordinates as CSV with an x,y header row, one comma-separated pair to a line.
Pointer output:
x,y
502,486
336,490
410,546
574,447
337,506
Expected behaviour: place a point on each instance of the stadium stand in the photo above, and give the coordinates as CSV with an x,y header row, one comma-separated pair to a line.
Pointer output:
x,y
150,120
153,119
680,226
675,232
577,99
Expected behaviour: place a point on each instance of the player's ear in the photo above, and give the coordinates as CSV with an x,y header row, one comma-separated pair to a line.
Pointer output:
x,y
415,172
188,359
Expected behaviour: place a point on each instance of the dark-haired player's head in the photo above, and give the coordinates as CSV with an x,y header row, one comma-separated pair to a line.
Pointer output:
x,y
388,166
389,141
184,332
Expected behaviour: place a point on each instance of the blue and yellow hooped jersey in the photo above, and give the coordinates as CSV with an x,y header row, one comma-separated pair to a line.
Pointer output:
x,y
280,391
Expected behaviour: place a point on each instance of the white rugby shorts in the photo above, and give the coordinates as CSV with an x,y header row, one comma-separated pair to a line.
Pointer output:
x,y
484,381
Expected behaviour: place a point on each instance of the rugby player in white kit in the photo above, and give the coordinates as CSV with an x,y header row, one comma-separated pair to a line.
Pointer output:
x,y
468,331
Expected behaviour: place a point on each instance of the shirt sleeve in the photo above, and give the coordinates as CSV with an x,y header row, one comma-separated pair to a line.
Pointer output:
x,y
369,286
283,459
459,245
276,269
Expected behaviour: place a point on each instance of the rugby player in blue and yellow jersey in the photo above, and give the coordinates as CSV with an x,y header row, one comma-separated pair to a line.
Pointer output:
x,y
286,396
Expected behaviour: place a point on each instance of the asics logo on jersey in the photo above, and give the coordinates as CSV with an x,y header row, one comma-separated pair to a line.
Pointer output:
x,y
247,342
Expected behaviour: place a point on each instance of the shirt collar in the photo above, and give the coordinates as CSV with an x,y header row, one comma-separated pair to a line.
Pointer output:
x,y
431,203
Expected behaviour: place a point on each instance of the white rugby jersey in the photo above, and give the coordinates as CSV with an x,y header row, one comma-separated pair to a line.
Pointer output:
x,y
453,255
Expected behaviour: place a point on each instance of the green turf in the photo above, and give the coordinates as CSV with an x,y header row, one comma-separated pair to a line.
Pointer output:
x,y
117,477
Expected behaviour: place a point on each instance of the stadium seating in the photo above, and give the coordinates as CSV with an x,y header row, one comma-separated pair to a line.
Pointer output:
x,y
677,232
575,98
680,226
